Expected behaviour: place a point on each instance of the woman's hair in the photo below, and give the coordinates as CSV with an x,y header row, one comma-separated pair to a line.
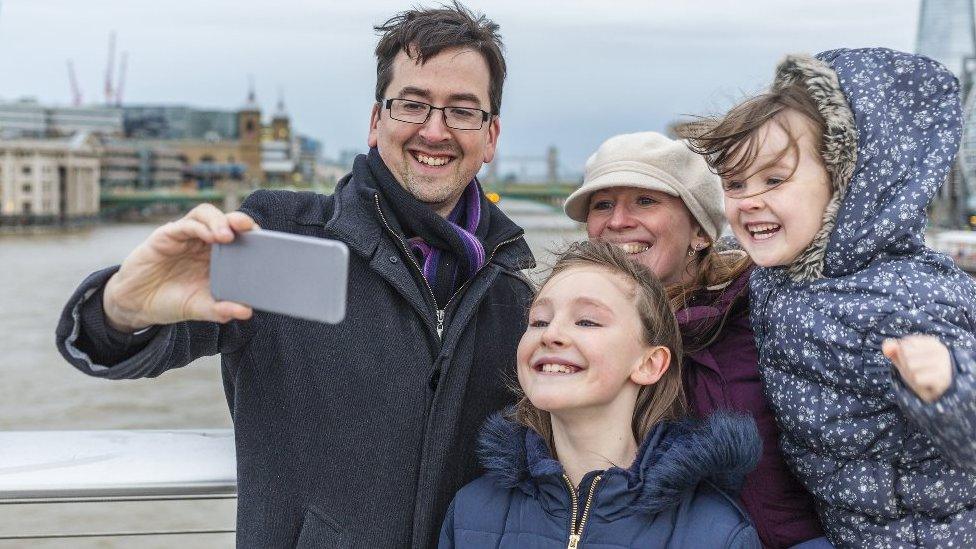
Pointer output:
x,y
730,144
660,401
712,268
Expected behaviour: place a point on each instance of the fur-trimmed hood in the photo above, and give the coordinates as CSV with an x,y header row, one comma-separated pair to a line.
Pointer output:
x,y
671,462
893,129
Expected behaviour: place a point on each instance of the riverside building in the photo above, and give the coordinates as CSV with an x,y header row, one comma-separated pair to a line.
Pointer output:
x,y
49,181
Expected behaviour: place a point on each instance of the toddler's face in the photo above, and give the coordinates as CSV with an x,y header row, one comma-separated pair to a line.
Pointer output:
x,y
776,208
583,344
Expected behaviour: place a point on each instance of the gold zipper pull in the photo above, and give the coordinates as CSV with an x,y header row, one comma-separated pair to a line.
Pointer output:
x,y
573,541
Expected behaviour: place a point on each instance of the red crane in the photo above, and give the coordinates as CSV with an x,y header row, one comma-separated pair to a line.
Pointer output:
x,y
75,91
109,95
123,64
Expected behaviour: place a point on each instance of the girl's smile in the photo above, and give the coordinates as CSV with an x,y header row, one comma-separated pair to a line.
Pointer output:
x,y
776,210
583,343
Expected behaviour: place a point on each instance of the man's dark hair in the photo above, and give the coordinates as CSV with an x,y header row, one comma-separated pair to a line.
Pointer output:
x,y
424,33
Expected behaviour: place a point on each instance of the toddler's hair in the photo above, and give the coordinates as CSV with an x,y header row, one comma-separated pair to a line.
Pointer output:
x,y
664,400
730,144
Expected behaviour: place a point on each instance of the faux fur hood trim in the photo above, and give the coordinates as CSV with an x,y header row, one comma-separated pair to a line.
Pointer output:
x,y
674,459
839,148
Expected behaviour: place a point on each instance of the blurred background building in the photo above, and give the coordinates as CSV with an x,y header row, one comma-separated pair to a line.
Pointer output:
x,y
947,33
50,179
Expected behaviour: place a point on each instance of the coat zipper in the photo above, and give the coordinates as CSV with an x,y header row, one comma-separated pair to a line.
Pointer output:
x,y
413,261
575,534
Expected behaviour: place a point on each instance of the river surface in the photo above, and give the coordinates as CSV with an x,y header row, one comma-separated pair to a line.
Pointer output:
x,y
40,391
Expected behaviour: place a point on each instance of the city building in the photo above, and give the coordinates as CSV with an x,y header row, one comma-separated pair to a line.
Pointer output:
x,y
947,33
29,119
279,152
223,146
309,156
179,122
128,164
214,151
54,180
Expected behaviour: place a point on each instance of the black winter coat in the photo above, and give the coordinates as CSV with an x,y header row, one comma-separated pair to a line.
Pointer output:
x,y
348,435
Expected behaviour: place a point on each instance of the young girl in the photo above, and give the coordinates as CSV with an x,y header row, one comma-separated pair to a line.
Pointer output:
x,y
592,454
865,336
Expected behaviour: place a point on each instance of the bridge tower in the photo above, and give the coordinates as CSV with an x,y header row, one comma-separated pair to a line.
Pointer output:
x,y
552,164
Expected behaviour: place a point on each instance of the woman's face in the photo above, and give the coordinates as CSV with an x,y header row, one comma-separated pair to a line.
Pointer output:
x,y
652,227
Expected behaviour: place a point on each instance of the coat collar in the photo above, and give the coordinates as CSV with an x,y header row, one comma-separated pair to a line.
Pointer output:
x,y
671,462
355,219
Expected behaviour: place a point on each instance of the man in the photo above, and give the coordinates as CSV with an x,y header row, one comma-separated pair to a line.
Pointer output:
x,y
356,434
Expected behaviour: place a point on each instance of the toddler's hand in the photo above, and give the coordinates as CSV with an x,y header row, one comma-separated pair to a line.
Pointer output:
x,y
923,363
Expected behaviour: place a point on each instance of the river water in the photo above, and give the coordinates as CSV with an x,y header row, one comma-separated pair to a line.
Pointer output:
x,y
40,391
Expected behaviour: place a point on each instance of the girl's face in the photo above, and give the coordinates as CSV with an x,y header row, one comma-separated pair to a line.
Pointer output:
x,y
774,215
583,348
654,228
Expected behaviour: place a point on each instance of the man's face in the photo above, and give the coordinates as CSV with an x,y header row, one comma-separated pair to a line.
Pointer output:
x,y
433,162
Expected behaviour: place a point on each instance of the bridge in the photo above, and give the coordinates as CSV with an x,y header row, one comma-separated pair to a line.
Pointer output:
x,y
114,204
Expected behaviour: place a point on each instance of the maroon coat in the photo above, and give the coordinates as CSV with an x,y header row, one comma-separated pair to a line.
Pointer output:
x,y
724,374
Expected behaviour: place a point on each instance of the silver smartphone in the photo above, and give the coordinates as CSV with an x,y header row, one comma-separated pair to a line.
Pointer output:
x,y
284,273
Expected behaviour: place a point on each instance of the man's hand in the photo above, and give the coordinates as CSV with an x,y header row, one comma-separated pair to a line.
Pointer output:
x,y
166,279
923,363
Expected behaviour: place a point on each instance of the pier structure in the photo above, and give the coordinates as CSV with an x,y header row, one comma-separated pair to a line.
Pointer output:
x,y
70,487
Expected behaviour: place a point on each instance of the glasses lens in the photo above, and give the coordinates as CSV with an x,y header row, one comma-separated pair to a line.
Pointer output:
x,y
409,111
461,118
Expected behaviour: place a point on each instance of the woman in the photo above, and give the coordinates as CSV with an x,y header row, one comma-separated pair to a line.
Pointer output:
x,y
657,200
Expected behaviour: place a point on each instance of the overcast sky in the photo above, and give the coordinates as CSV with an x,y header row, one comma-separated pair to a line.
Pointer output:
x,y
579,70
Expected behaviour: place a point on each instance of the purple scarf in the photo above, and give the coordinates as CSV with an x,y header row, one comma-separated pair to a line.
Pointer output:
x,y
449,251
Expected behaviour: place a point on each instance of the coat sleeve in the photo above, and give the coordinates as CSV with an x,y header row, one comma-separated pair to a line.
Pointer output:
x,y
447,529
85,339
949,422
87,342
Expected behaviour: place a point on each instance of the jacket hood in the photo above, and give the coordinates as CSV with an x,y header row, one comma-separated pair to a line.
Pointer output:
x,y
893,129
674,459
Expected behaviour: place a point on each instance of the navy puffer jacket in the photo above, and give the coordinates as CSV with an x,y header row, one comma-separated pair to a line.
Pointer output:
x,y
887,469
675,495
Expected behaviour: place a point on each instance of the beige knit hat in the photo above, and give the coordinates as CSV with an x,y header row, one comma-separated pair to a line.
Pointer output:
x,y
649,160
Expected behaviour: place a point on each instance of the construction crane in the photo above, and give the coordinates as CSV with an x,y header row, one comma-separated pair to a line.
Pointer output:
x,y
109,93
123,65
73,80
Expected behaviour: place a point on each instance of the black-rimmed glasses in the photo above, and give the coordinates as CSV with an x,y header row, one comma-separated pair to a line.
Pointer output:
x,y
417,112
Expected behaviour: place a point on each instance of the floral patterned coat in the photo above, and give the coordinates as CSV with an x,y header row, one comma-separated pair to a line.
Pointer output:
x,y
886,468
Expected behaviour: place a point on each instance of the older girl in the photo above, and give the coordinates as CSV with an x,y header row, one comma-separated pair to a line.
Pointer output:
x,y
592,455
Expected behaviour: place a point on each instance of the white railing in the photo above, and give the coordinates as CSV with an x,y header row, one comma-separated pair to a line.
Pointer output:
x,y
110,484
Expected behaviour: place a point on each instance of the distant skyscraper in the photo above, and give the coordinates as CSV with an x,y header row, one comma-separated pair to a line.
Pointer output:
x,y
947,33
